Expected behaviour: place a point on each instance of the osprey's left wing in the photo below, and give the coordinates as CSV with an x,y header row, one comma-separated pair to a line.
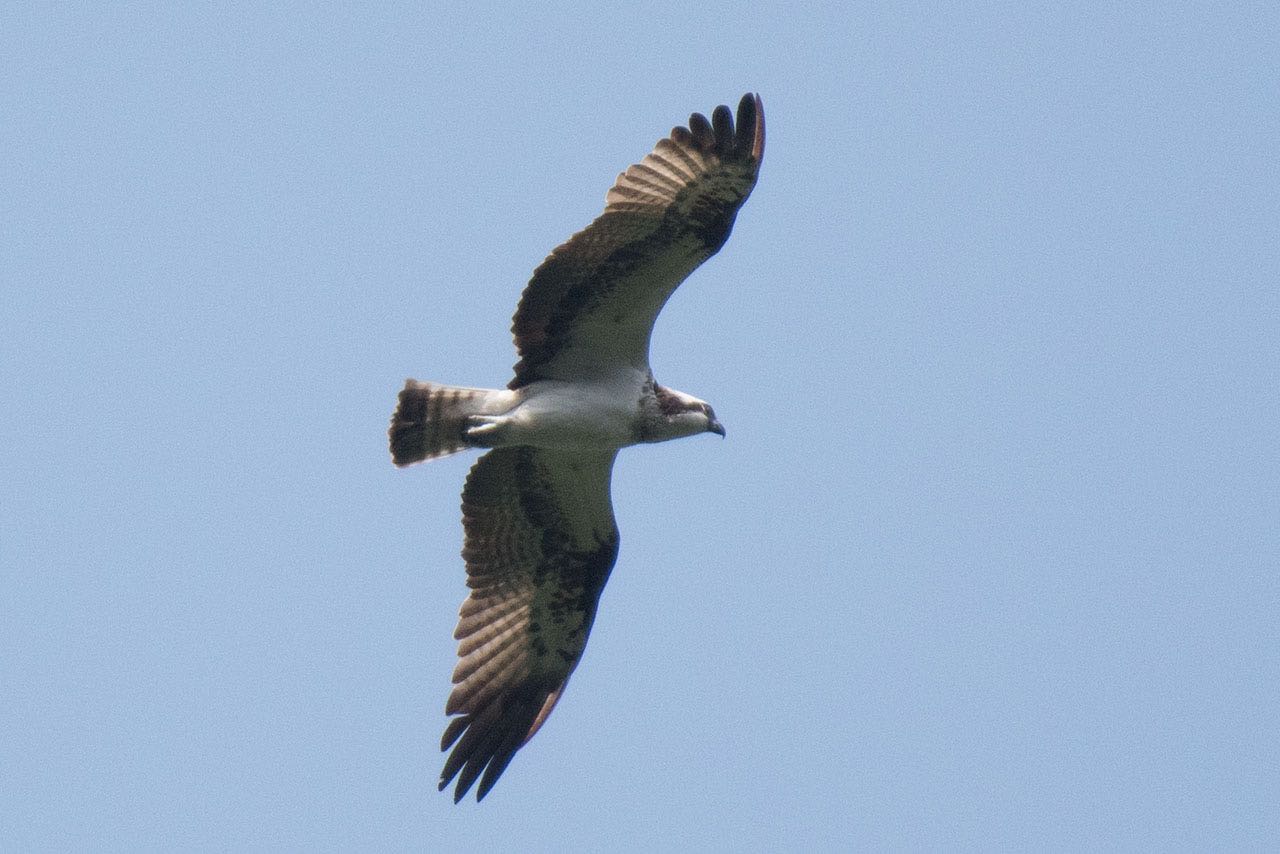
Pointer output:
x,y
591,305
540,542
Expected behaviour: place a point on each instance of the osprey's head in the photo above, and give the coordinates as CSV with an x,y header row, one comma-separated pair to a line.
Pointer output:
x,y
681,415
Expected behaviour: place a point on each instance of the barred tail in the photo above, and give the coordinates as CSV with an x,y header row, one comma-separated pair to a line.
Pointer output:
x,y
431,420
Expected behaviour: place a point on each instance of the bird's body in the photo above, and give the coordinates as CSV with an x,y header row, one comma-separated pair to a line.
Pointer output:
x,y
540,537
603,414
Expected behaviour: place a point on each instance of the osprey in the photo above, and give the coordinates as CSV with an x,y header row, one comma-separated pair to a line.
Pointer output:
x,y
540,537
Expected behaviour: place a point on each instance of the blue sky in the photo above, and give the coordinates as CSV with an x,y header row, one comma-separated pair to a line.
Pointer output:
x,y
988,558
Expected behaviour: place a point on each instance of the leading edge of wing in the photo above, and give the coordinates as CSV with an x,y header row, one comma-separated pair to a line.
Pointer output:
x,y
540,543
593,302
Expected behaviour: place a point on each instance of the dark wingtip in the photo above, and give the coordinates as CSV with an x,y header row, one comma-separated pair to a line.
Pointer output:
x,y
729,139
722,135
722,124
750,130
700,130
458,793
485,785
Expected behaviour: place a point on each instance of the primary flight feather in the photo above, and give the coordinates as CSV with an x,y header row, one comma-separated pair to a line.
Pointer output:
x,y
540,538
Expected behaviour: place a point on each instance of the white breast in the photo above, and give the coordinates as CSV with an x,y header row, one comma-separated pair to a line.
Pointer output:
x,y
557,414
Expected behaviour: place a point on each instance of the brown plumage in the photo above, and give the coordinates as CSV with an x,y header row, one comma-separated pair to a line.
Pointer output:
x,y
663,217
535,581
540,537
430,421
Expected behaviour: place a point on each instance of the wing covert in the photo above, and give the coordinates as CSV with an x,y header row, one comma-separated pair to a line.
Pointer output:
x,y
540,543
590,306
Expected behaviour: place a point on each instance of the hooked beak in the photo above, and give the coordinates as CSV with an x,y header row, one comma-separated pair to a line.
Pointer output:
x,y
716,427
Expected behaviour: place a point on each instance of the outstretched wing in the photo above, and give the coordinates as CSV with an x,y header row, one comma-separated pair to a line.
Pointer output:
x,y
591,305
540,542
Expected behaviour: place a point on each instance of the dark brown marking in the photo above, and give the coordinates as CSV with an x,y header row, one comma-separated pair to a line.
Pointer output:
x,y
628,241
506,494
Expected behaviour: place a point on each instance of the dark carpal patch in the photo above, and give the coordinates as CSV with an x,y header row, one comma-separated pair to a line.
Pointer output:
x,y
519,550
714,231
666,215
581,571
540,539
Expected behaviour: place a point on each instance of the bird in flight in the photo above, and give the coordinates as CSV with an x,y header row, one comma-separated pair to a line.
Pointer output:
x,y
539,533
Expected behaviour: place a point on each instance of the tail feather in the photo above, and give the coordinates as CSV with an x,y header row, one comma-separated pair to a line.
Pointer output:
x,y
431,420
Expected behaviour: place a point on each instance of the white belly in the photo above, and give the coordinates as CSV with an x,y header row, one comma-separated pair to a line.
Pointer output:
x,y
574,415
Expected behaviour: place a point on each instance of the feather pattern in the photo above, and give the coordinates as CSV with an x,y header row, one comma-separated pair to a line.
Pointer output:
x,y
590,307
540,542
540,537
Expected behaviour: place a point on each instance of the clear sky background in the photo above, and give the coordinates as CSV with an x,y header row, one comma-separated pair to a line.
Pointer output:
x,y
988,558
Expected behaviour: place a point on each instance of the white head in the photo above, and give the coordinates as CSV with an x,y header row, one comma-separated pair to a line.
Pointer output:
x,y
678,415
